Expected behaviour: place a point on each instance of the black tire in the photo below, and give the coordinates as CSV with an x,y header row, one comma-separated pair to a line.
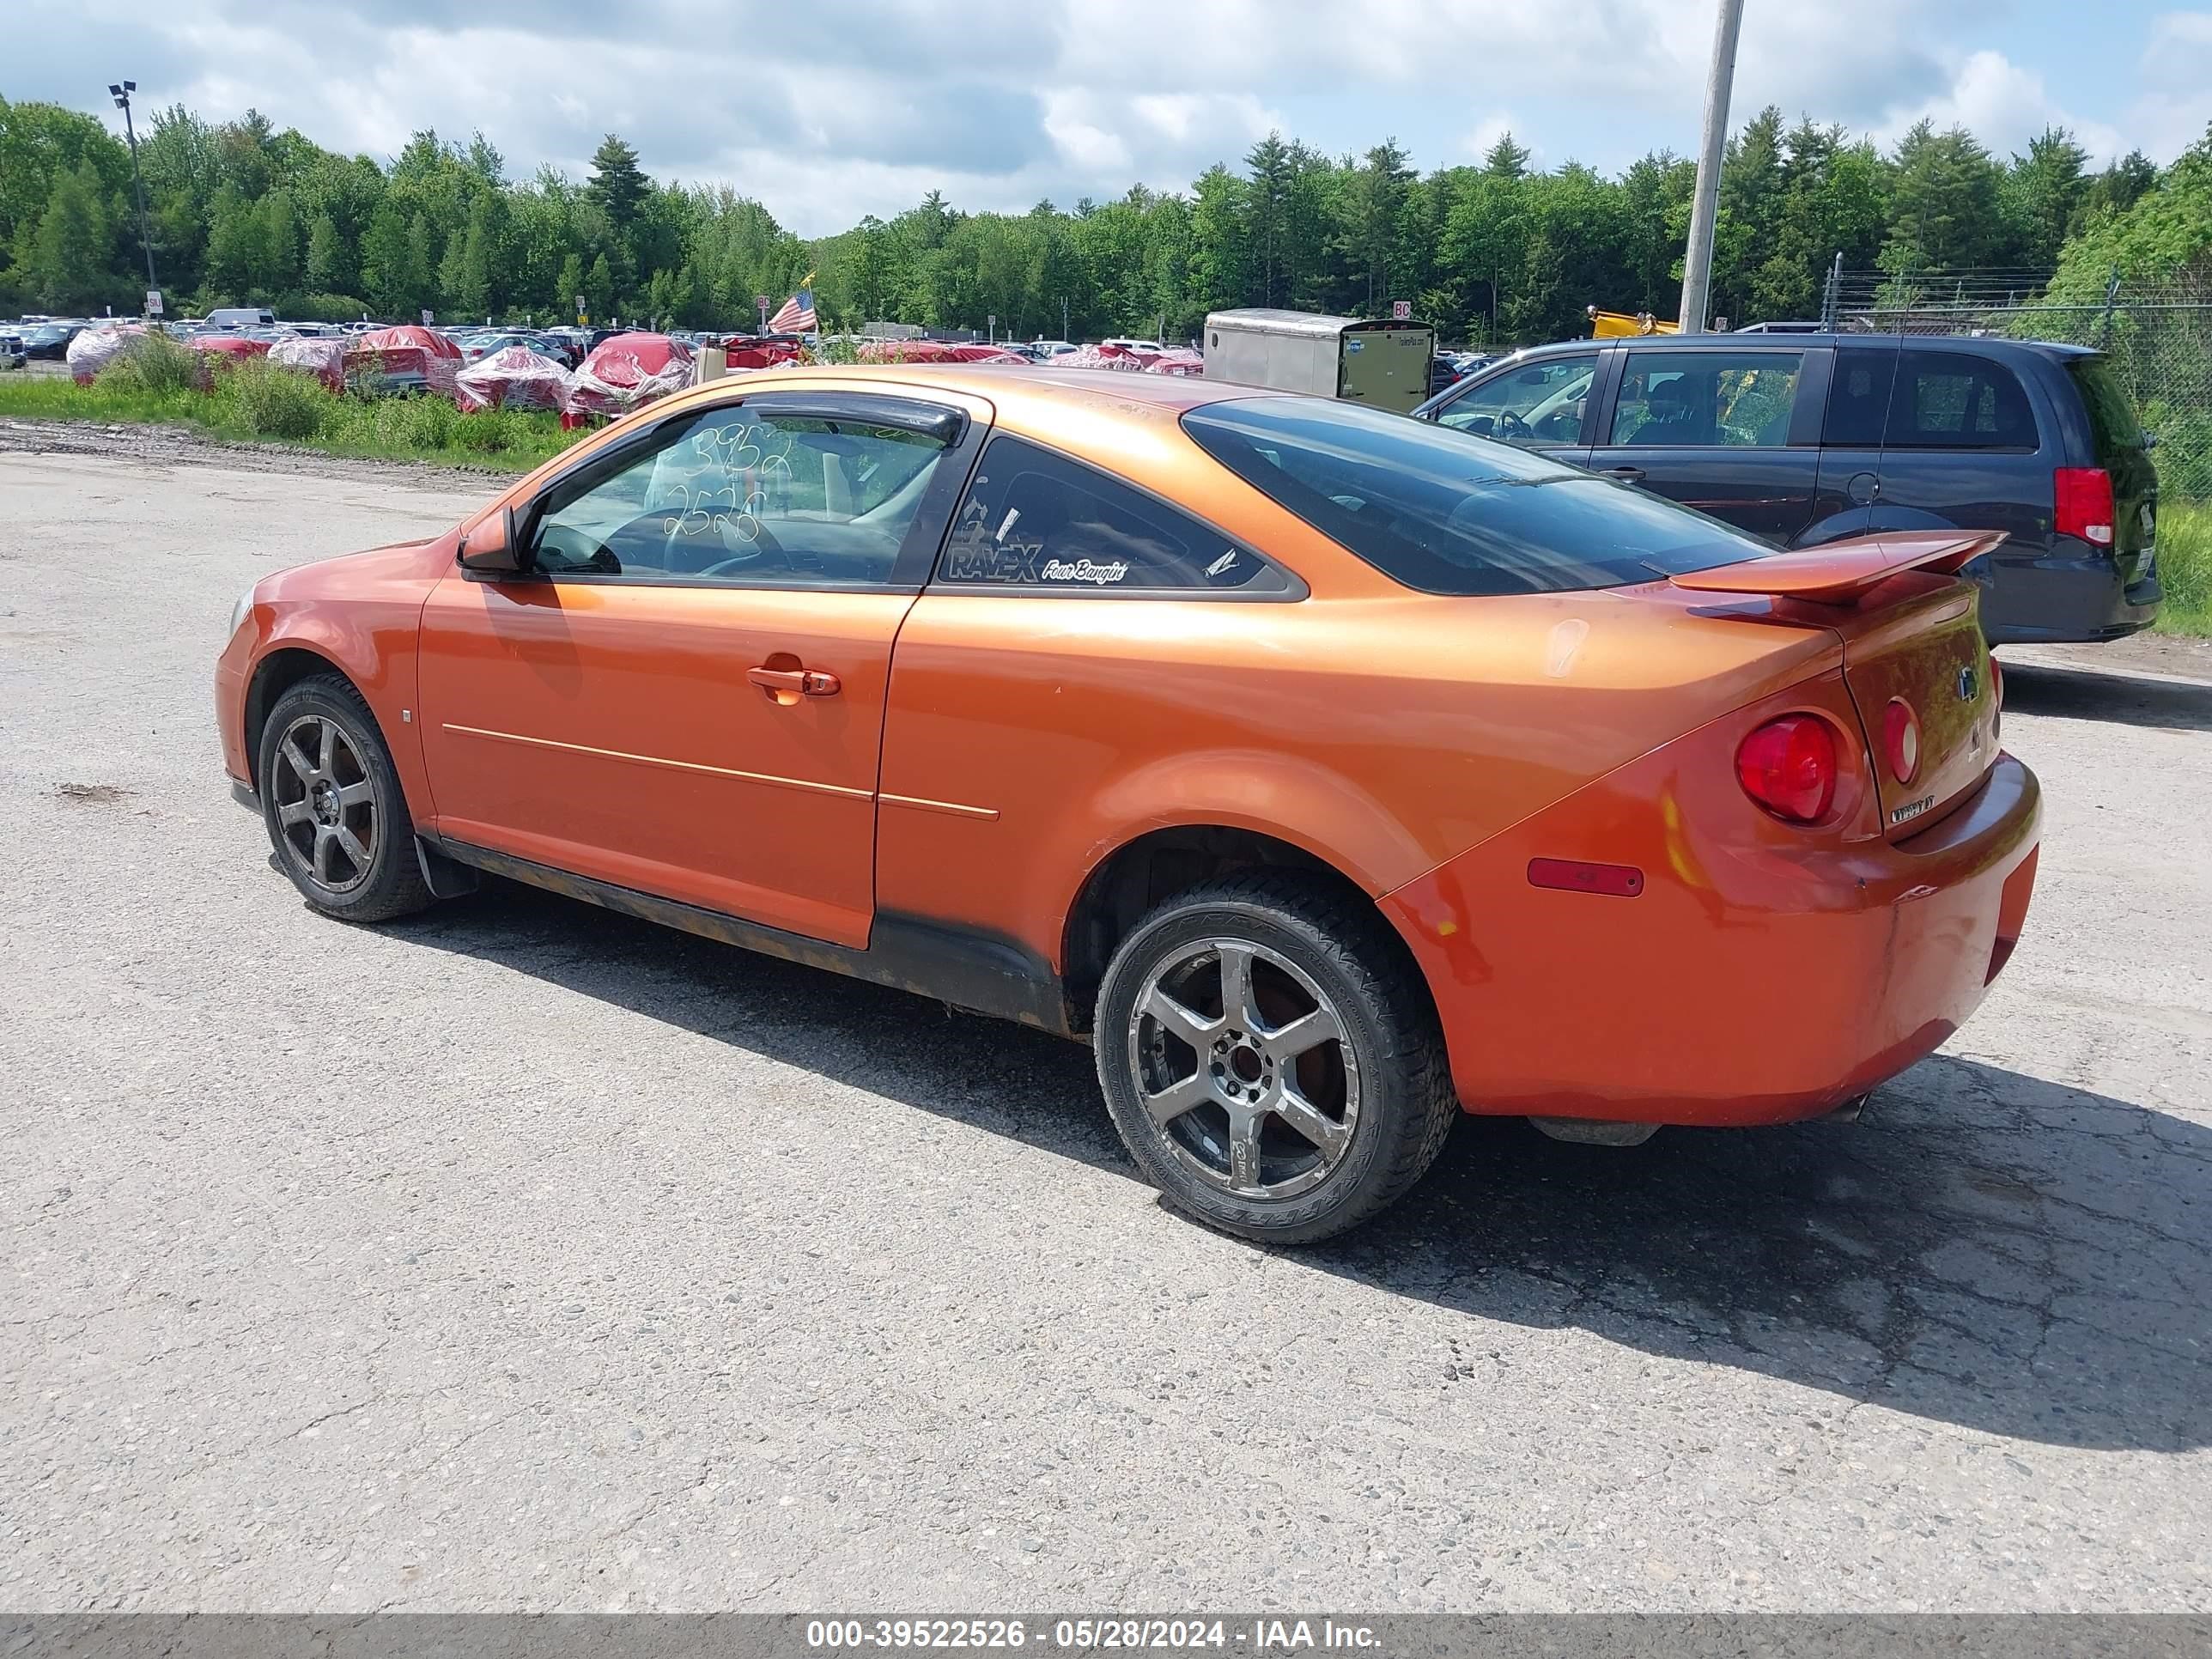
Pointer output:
x,y
382,876
1388,1064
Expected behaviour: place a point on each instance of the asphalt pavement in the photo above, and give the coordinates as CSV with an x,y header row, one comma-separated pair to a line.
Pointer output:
x,y
524,1256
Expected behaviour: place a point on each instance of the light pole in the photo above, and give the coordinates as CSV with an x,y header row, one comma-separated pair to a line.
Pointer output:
x,y
1698,257
122,95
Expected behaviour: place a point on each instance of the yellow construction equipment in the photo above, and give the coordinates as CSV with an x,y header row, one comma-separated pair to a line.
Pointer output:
x,y
1615,324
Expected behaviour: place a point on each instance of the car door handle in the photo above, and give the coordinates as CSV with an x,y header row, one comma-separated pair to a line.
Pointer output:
x,y
801,681
1626,474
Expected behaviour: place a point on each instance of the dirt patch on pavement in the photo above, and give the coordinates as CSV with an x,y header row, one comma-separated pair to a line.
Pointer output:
x,y
91,794
175,446
2177,654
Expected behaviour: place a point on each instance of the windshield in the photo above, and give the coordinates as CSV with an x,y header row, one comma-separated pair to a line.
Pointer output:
x,y
1445,512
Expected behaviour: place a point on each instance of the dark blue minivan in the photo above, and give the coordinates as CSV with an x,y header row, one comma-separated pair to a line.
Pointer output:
x,y
1806,438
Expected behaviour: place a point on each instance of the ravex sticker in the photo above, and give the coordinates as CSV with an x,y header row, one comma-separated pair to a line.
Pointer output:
x,y
1060,570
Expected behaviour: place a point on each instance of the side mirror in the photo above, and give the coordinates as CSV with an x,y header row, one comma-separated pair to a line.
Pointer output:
x,y
489,549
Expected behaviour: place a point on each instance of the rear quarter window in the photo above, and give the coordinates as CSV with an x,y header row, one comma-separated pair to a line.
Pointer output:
x,y
1045,522
1956,400
1443,512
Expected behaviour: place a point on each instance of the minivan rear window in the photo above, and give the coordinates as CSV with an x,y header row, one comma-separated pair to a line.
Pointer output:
x,y
1443,512
2112,423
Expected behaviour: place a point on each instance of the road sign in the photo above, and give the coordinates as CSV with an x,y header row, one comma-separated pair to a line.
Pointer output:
x,y
153,302
1401,311
427,317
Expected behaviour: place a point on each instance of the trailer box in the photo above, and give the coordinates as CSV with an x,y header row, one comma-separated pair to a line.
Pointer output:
x,y
1362,360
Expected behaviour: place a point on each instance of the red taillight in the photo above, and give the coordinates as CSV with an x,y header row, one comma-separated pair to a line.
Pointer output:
x,y
2083,495
1789,767
1900,739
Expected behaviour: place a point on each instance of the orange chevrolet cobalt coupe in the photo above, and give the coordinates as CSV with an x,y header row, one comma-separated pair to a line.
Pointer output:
x,y
1328,772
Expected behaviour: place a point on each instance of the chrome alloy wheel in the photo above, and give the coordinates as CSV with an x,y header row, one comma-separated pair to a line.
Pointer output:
x,y
1242,1066
326,814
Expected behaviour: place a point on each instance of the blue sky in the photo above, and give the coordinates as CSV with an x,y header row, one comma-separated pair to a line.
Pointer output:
x,y
828,110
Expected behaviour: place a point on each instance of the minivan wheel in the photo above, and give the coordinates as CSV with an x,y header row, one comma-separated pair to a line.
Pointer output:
x,y
1271,1058
332,800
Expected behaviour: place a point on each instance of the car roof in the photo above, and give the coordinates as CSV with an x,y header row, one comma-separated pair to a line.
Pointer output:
x,y
1012,383
1995,344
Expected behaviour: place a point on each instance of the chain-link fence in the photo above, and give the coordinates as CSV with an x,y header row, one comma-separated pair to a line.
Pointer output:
x,y
2158,337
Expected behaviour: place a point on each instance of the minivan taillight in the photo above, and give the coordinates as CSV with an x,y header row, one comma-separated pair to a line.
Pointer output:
x,y
2083,495
1789,767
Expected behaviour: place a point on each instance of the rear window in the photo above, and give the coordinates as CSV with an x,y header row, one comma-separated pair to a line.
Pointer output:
x,y
2112,423
1445,512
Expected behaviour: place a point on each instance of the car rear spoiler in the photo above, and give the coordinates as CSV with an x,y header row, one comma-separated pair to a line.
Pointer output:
x,y
1842,573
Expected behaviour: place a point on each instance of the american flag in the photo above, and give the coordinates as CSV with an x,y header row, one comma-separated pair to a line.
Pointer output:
x,y
797,316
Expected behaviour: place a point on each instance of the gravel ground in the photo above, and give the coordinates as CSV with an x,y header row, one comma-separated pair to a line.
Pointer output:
x,y
523,1256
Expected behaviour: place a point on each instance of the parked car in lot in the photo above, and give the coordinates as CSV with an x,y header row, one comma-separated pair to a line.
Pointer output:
x,y
48,339
477,347
1327,770
1803,439
12,354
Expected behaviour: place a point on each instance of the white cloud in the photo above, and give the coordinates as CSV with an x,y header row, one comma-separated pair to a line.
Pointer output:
x,y
2175,107
2004,106
853,106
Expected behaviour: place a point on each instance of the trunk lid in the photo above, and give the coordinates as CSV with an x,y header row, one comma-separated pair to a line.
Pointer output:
x,y
1911,636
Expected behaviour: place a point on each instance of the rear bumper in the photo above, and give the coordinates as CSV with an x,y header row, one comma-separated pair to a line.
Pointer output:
x,y
2074,593
1760,982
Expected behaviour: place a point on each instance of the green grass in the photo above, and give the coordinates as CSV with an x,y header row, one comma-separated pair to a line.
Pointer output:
x,y
2185,567
256,402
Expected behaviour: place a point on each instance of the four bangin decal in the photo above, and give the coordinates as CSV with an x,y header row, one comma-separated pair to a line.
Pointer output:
x,y
1082,570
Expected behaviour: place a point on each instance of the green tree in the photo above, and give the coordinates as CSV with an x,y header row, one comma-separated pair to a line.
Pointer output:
x,y
2165,234
328,270
1945,210
619,184
64,255
2117,188
1504,159
39,144
234,244
468,276
1218,269
2043,194
278,235
422,264
1374,207
389,269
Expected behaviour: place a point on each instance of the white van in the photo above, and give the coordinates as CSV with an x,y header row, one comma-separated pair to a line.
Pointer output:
x,y
240,317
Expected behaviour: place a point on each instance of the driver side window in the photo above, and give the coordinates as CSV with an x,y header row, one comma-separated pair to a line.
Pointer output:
x,y
746,497
1538,404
